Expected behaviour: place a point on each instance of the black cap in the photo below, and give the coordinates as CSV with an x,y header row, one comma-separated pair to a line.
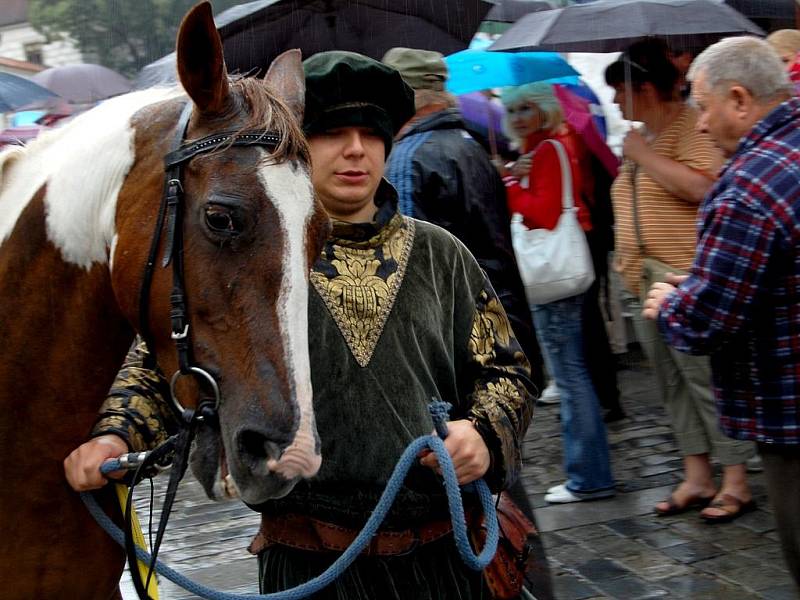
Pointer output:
x,y
346,89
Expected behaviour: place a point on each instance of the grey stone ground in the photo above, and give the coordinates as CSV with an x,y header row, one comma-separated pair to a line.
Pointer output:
x,y
613,548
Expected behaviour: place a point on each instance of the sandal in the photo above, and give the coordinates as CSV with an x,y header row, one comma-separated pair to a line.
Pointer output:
x,y
675,509
731,505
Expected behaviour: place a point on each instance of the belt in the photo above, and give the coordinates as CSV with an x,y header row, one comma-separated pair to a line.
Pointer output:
x,y
306,533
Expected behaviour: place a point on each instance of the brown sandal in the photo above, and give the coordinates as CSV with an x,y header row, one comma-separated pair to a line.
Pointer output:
x,y
675,509
731,505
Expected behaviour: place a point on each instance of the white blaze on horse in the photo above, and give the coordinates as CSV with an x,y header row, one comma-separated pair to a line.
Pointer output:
x,y
78,210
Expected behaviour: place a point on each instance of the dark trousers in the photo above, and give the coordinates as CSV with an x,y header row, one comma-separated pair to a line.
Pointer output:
x,y
600,361
782,475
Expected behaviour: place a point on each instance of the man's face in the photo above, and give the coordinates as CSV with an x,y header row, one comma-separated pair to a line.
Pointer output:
x,y
347,165
724,113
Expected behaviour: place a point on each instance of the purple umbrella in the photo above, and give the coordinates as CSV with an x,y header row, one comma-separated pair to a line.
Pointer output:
x,y
83,83
485,118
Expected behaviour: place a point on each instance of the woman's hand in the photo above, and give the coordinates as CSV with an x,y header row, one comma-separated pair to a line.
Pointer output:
x,y
467,449
522,167
635,146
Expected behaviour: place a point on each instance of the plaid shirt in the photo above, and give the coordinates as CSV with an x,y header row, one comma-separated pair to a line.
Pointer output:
x,y
741,303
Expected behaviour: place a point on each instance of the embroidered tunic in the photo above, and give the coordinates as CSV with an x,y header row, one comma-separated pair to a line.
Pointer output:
x,y
399,313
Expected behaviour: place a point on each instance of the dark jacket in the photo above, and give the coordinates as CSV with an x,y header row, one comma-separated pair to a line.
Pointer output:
x,y
444,176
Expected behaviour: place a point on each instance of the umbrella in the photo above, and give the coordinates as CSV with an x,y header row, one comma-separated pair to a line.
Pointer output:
x,y
578,113
83,83
17,136
18,92
484,119
506,12
611,25
472,70
253,34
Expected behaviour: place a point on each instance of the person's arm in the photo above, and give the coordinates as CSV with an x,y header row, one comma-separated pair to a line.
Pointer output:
x,y
713,303
677,178
134,417
540,202
502,395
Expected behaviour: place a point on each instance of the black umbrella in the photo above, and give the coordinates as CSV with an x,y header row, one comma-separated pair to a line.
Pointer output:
x,y
611,25
253,34
17,92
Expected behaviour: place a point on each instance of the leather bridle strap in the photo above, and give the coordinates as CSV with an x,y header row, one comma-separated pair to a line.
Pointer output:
x,y
170,222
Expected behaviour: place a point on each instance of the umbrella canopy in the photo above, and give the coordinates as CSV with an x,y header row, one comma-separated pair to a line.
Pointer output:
x,y
83,83
253,34
18,92
17,136
611,25
484,118
510,11
473,70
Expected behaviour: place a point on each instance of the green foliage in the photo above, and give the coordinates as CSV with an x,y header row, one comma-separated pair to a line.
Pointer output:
x,y
123,35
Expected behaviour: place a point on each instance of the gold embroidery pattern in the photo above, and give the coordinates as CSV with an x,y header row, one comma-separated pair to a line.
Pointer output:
x,y
358,298
489,328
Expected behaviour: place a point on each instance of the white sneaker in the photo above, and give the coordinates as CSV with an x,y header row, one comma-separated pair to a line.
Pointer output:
x,y
560,495
550,394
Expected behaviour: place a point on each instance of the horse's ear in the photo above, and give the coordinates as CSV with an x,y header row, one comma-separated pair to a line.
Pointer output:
x,y
286,78
201,65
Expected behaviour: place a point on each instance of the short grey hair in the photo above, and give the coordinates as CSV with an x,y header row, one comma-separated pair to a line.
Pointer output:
x,y
425,97
744,60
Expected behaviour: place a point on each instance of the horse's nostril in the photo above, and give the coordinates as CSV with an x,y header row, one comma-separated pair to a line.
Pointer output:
x,y
257,446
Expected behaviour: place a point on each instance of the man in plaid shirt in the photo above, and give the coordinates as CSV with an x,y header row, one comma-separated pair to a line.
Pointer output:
x,y
741,302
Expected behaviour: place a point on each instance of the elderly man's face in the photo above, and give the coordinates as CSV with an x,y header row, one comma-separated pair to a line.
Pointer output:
x,y
720,114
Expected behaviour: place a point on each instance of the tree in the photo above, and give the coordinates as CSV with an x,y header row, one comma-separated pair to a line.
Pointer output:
x,y
123,35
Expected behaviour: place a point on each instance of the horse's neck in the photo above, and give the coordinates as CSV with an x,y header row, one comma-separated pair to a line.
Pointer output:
x,y
63,341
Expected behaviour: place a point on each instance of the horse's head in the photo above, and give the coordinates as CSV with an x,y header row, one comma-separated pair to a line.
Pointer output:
x,y
251,230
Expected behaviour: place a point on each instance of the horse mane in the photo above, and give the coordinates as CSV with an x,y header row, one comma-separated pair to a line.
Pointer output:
x,y
268,111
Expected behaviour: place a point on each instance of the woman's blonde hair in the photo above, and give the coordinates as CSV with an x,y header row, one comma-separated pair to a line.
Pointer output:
x,y
539,94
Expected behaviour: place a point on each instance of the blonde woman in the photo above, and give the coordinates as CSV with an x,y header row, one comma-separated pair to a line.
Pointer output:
x,y
533,115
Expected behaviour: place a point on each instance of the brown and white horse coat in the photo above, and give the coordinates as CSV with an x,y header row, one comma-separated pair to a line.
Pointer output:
x,y
77,213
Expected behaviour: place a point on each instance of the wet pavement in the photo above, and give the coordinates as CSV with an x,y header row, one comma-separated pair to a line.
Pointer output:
x,y
614,548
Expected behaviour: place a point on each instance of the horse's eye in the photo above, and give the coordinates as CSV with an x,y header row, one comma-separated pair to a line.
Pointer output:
x,y
224,220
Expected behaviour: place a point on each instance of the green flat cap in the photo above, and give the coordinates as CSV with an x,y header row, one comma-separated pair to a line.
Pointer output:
x,y
346,89
421,69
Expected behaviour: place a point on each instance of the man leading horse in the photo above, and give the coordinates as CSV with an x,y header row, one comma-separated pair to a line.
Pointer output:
x,y
399,313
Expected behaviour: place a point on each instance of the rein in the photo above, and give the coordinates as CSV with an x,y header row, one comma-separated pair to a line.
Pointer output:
x,y
439,411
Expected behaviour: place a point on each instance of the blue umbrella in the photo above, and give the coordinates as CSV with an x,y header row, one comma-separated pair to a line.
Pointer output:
x,y
17,92
472,70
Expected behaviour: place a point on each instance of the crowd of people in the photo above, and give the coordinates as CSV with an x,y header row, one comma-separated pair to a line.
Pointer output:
x,y
705,236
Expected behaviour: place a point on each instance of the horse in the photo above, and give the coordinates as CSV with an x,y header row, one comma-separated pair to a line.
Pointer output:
x,y
78,210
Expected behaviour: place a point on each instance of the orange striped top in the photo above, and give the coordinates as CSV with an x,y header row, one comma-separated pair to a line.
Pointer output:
x,y
667,223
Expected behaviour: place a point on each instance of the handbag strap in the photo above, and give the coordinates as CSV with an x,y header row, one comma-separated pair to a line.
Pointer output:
x,y
635,206
567,194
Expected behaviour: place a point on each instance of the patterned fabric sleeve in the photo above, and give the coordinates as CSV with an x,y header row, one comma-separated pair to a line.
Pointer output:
x,y
136,409
733,254
503,395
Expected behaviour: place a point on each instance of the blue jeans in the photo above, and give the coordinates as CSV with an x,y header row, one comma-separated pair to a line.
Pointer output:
x,y
586,456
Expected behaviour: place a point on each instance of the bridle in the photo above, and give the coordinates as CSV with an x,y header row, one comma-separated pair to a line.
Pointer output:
x,y
169,223
171,212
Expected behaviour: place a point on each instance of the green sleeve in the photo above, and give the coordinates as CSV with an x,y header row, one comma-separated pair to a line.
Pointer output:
x,y
137,408
502,397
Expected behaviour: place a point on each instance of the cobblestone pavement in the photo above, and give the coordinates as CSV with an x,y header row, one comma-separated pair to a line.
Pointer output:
x,y
613,548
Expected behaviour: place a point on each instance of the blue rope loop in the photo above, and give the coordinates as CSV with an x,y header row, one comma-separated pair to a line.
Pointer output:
x,y
407,460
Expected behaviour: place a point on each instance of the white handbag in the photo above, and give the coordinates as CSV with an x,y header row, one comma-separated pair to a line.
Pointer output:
x,y
554,263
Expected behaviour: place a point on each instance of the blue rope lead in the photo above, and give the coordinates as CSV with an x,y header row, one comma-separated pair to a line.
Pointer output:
x,y
363,539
